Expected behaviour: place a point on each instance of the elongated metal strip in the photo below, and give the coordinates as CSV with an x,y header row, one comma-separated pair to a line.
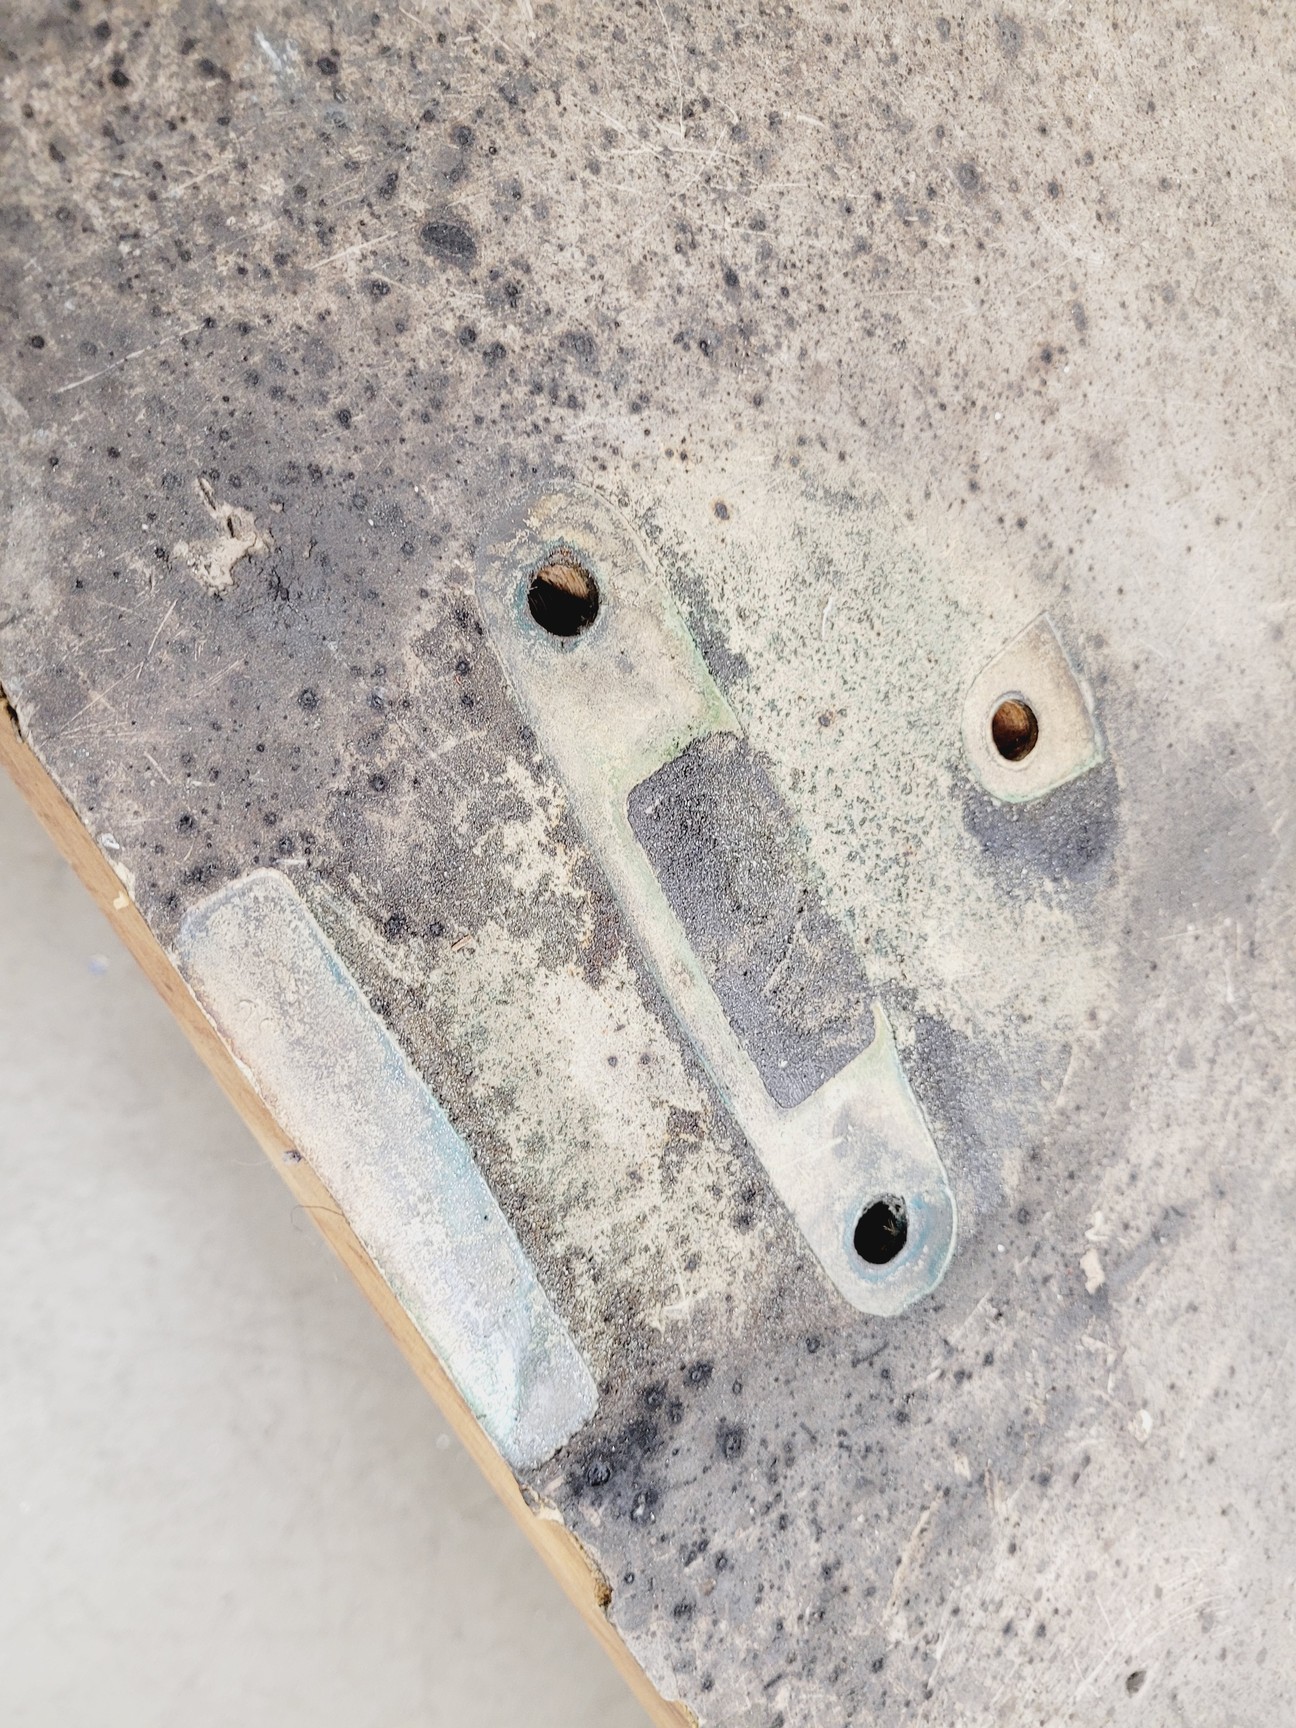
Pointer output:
x,y
335,1079
610,706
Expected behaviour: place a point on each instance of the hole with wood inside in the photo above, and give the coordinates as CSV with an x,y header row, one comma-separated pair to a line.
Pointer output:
x,y
563,596
1014,728
882,1230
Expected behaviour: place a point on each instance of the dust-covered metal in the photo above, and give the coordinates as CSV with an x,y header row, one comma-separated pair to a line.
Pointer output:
x,y
335,1079
612,706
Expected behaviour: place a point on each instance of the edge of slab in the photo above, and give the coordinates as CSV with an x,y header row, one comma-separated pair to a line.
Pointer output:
x,y
556,1545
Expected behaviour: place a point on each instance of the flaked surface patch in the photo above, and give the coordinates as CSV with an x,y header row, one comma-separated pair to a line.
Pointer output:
x,y
237,537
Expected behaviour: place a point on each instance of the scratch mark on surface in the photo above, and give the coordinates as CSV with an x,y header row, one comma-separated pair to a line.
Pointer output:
x,y
153,644
894,1620
360,246
115,365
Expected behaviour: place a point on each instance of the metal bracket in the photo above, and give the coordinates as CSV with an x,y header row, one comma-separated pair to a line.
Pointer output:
x,y
611,705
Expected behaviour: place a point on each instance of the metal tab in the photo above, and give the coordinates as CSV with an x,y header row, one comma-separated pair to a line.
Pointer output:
x,y
336,1080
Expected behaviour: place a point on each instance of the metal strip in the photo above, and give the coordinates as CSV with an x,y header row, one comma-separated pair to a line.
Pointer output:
x,y
610,706
336,1080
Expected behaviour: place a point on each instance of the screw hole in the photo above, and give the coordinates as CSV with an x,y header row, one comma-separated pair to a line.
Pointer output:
x,y
882,1230
1014,729
563,597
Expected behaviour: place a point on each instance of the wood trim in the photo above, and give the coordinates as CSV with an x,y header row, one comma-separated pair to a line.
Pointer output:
x,y
556,1545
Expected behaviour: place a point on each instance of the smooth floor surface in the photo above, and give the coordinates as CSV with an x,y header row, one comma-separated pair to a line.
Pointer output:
x,y
223,1496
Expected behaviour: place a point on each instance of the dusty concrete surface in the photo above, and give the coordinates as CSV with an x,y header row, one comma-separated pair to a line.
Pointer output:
x,y
226,1498
889,331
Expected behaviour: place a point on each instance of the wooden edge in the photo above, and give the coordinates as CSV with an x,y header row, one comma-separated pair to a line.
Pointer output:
x,y
556,1545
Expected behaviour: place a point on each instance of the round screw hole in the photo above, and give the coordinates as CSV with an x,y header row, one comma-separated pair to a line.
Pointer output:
x,y
882,1230
1014,729
563,597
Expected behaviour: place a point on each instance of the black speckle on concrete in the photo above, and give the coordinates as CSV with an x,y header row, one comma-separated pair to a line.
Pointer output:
x,y
450,240
581,346
731,1439
981,1097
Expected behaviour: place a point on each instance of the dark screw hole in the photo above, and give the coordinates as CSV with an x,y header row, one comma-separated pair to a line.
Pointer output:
x,y
1014,728
882,1231
1134,1681
563,597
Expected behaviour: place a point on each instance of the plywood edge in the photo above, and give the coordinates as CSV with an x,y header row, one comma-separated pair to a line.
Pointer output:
x,y
556,1545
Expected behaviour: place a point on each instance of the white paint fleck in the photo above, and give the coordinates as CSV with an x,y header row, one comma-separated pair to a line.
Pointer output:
x,y
1092,1267
238,538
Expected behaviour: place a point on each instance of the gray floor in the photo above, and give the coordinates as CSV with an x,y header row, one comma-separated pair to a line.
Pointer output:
x,y
223,1497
